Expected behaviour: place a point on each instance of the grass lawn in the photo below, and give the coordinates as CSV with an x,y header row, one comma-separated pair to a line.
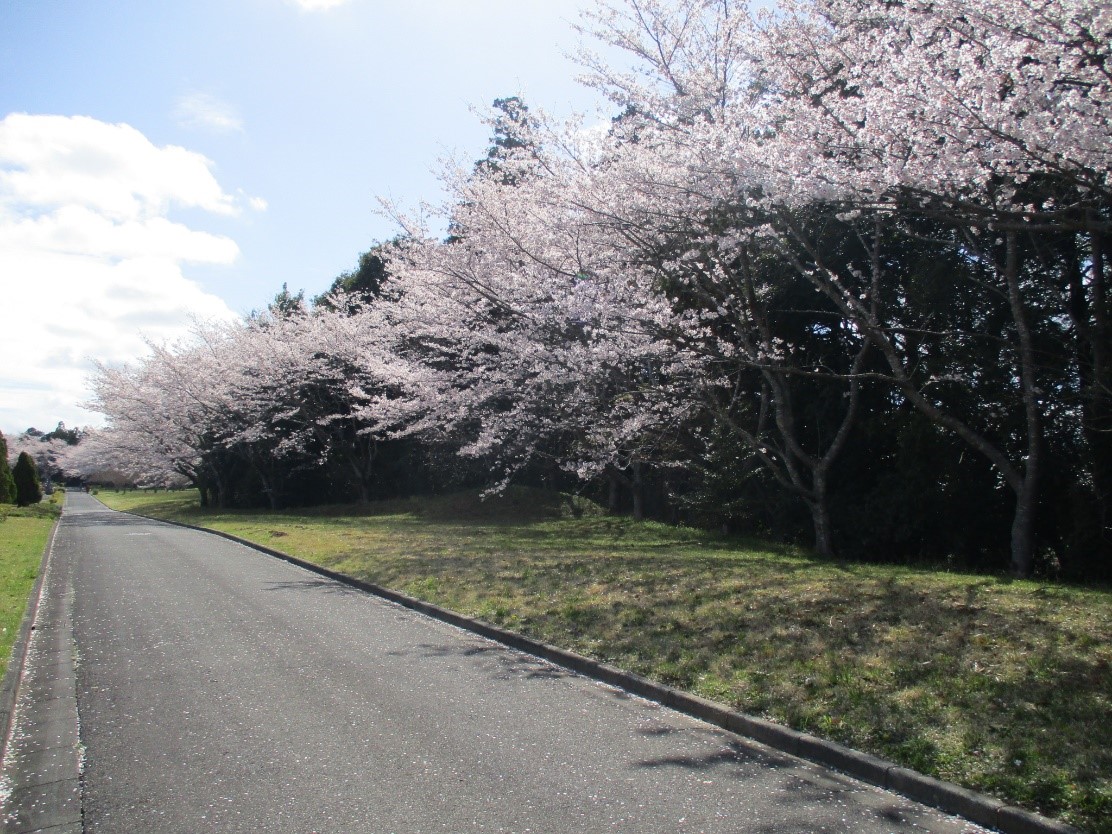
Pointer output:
x,y
999,685
23,535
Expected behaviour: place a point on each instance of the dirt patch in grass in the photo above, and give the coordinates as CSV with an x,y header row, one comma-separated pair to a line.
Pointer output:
x,y
999,685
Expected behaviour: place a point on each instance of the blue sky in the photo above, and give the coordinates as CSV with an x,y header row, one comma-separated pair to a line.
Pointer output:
x,y
163,159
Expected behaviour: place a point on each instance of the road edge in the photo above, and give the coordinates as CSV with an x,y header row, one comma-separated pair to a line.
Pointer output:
x,y
944,796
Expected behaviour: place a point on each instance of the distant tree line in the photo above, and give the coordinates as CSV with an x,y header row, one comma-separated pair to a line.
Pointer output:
x,y
837,275
24,462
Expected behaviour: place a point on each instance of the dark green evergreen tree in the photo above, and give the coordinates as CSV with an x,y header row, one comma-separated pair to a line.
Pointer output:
x,y
7,483
27,487
286,304
360,287
71,437
512,141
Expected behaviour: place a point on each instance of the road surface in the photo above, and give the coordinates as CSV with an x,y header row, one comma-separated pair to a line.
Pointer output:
x,y
219,689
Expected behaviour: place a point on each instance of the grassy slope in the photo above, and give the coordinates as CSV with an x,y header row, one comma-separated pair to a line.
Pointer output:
x,y
999,685
23,536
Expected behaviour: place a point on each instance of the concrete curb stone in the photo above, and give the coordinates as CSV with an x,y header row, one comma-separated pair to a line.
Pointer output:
x,y
945,796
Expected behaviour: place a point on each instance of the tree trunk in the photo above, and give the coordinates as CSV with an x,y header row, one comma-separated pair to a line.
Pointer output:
x,y
273,497
364,492
222,497
1087,307
638,487
615,493
1097,406
820,516
1023,524
363,464
270,490
1023,531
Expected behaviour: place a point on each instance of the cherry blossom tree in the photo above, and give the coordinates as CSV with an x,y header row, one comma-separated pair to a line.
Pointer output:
x,y
991,121
318,386
798,215
276,393
112,453
520,331
164,415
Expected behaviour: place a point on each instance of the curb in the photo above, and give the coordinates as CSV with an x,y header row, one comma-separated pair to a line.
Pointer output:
x,y
944,796
9,688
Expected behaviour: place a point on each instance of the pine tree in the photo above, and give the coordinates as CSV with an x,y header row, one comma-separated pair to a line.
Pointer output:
x,y
7,482
27,486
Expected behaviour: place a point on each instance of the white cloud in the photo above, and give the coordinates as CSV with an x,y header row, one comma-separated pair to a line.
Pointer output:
x,y
206,112
53,161
90,261
77,230
256,203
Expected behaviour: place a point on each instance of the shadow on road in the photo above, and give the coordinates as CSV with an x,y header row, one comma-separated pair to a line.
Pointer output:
x,y
732,754
803,787
506,663
328,586
103,519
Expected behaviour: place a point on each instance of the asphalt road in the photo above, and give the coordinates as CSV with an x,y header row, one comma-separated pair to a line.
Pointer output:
x,y
219,689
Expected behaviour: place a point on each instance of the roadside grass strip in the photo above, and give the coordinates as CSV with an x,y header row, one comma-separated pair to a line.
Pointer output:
x,y
998,685
23,535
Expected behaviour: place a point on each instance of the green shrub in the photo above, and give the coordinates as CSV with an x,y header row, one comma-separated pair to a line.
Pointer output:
x,y
28,489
